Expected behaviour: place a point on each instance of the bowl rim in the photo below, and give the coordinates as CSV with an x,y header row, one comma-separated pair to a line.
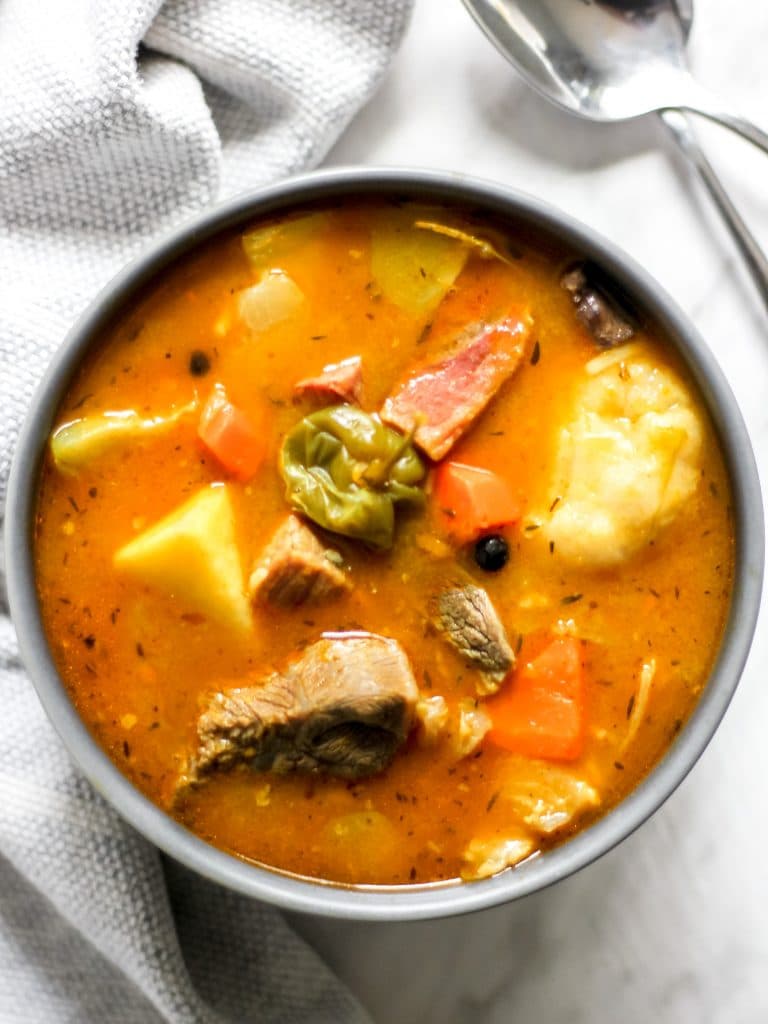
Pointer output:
x,y
408,902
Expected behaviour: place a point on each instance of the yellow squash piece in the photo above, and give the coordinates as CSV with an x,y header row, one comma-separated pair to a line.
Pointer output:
x,y
269,244
414,268
76,444
192,554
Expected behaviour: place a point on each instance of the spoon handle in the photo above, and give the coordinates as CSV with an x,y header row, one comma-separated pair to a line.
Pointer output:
x,y
680,130
699,101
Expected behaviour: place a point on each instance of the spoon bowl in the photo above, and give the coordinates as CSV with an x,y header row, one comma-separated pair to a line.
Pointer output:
x,y
608,60
611,60
601,61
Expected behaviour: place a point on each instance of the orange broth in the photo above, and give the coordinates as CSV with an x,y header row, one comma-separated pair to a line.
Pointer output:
x,y
139,666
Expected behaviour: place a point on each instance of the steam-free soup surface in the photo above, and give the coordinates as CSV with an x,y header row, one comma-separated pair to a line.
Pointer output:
x,y
598,534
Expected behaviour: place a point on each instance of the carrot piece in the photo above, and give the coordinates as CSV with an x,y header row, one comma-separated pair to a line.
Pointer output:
x,y
470,500
231,435
541,710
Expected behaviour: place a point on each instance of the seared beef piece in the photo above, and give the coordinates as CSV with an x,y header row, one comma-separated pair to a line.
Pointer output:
x,y
595,310
296,567
470,622
343,709
442,400
342,380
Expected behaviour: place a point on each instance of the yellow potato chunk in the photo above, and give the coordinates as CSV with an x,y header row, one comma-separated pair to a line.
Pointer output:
x,y
192,554
626,463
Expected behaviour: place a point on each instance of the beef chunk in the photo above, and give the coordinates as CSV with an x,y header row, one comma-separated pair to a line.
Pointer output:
x,y
607,325
470,623
342,380
439,402
296,568
343,709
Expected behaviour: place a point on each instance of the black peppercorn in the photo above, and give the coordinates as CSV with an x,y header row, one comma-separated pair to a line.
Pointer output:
x,y
492,552
199,363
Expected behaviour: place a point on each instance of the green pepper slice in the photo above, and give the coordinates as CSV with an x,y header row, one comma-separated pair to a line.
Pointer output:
x,y
346,471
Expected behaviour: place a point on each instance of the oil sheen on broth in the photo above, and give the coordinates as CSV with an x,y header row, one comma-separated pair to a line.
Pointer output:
x,y
380,544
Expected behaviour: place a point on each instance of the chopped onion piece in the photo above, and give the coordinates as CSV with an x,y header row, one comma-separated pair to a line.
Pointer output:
x,y
274,298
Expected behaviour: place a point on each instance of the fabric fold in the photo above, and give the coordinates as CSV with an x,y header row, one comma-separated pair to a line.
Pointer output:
x,y
119,119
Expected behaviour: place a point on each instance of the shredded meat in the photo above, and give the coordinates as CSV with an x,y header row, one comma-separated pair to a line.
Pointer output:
x,y
432,714
343,708
595,310
486,857
473,724
471,624
296,568
342,380
439,402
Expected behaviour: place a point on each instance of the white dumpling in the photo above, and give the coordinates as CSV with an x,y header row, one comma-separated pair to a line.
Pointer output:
x,y
625,464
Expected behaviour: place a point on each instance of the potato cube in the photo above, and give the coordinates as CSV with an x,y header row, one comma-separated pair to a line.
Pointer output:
x,y
192,554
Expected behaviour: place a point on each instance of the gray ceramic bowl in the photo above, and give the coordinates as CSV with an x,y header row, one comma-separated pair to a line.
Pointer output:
x,y
417,901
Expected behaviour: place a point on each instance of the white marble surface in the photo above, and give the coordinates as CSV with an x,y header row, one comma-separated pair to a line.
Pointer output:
x,y
672,927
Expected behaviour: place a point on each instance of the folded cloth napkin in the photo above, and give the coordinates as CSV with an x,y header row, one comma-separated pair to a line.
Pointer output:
x,y
118,118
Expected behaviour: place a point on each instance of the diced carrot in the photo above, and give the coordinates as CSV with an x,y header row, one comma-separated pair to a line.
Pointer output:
x,y
540,712
231,435
470,500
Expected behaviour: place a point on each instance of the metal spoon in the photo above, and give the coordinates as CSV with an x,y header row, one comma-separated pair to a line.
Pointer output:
x,y
519,30
606,60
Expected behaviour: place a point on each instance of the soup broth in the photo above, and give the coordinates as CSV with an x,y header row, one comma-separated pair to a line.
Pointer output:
x,y
610,584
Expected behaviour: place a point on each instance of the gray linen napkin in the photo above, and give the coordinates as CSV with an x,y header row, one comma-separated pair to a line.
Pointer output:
x,y
118,118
